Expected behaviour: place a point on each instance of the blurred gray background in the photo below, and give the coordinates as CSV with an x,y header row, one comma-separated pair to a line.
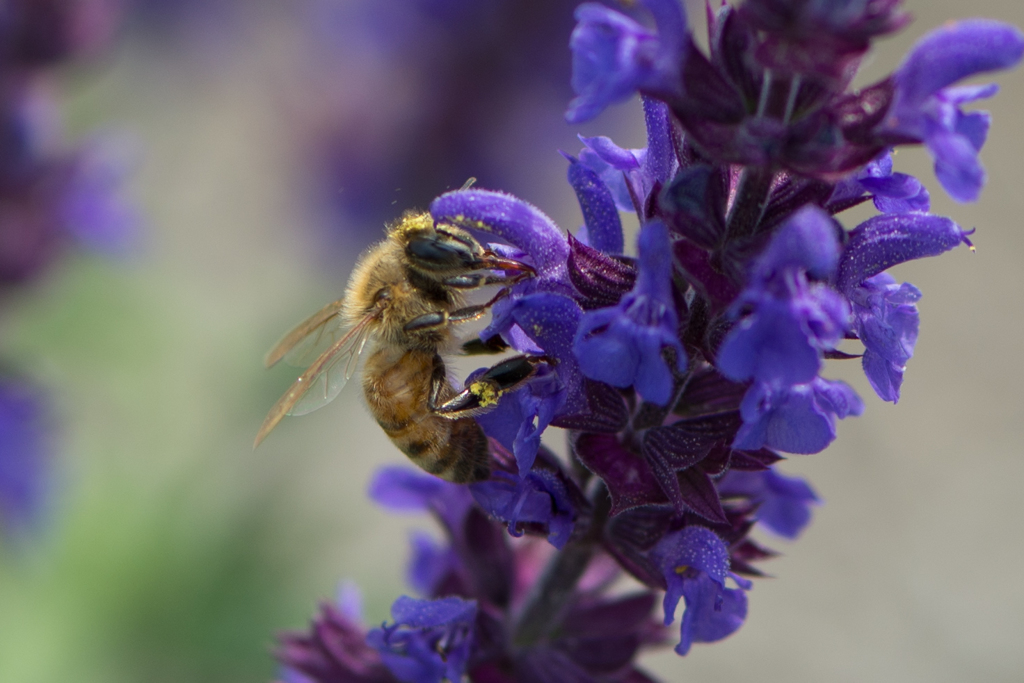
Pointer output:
x,y
173,552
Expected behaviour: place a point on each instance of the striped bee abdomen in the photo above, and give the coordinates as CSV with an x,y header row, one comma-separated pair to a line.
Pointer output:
x,y
398,385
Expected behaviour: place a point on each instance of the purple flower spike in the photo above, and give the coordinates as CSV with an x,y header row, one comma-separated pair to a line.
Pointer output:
x,y
796,419
622,345
430,641
684,375
694,563
926,109
614,56
791,320
783,502
886,321
881,242
600,215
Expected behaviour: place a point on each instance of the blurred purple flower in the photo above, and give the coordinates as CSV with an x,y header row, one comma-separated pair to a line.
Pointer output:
x,y
25,455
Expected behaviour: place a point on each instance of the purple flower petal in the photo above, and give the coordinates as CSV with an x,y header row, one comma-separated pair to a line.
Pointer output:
x,y
540,497
956,51
404,489
550,320
770,345
614,56
783,502
508,218
694,547
429,613
808,241
956,165
659,163
695,562
796,419
789,320
622,345
881,242
926,110
886,320
430,640
712,613
604,229
429,564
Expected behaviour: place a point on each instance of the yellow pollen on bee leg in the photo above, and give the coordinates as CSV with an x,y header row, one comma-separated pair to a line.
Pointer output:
x,y
485,392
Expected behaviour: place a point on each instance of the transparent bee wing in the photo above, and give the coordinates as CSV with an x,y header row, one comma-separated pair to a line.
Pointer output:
x,y
314,344
310,339
326,386
323,380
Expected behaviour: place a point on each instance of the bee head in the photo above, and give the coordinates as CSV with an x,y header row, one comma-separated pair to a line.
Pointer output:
x,y
438,252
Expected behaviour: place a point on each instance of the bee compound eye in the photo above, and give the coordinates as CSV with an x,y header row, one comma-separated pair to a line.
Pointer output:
x,y
440,252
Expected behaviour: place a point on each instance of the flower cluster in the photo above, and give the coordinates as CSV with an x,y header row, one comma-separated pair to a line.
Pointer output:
x,y
683,372
50,195
471,584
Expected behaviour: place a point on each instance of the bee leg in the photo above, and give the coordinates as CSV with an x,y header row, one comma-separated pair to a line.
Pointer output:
x,y
479,347
462,315
484,393
438,319
492,261
478,280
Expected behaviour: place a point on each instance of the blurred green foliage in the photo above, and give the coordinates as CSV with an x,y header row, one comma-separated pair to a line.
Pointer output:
x,y
153,567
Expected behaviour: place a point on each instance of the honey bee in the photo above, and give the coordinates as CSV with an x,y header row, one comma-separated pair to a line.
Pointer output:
x,y
403,299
